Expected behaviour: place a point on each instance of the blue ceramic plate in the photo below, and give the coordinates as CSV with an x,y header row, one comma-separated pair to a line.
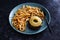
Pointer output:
x,y
28,30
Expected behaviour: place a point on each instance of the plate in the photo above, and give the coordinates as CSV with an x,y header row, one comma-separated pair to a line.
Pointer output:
x,y
28,30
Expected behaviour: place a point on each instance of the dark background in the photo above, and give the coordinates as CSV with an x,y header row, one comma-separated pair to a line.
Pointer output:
x,y
8,33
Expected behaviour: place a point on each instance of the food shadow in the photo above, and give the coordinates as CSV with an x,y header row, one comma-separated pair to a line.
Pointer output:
x,y
31,27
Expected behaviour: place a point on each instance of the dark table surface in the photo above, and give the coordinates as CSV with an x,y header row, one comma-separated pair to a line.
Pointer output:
x,y
8,33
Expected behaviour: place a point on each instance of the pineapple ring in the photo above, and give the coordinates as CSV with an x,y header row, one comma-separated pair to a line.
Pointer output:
x,y
35,21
